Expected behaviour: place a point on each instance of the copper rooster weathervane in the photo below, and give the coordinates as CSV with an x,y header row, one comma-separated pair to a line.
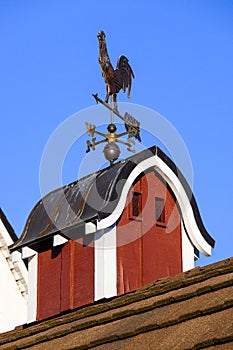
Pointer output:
x,y
115,79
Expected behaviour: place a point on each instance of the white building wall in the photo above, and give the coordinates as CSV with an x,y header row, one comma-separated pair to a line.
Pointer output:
x,y
13,286
13,306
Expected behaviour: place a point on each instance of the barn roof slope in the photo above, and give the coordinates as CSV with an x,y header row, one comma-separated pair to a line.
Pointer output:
x,y
192,310
95,196
8,226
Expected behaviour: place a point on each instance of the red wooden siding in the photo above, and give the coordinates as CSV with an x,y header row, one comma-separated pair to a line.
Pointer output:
x,y
49,283
129,247
65,278
147,250
83,274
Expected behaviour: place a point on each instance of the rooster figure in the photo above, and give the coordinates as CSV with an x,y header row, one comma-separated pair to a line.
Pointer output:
x,y
115,79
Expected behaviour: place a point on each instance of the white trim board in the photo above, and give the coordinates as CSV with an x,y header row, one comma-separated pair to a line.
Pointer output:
x,y
105,275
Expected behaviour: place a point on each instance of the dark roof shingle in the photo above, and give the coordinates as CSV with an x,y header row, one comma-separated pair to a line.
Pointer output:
x,y
192,310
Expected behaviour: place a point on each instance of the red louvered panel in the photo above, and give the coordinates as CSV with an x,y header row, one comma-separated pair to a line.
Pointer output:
x,y
83,273
129,267
161,240
67,276
49,283
129,248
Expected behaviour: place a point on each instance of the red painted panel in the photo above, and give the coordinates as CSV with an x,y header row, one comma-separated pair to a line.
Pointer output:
x,y
129,267
67,277
161,241
49,283
83,273
129,248
161,255
156,252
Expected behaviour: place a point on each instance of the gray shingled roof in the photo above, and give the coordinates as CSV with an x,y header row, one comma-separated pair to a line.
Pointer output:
x,y
192,310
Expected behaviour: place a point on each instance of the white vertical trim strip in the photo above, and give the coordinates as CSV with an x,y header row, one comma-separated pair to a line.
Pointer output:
x,y
187,251
105,273
32,287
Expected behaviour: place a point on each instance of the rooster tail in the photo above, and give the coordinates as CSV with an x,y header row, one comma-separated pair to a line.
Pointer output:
x,y
126,73
128,95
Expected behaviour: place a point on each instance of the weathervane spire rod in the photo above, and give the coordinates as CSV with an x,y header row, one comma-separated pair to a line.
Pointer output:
x,y
113,110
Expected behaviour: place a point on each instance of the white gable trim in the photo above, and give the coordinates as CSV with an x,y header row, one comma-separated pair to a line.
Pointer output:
x,y
188,217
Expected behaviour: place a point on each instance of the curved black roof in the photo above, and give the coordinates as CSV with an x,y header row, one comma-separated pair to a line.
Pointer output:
x,y
94,196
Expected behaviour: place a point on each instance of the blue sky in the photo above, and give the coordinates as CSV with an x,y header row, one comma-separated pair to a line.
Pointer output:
x,y
181,53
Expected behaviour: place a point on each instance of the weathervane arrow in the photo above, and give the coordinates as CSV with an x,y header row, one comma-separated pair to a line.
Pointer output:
x,y
132,125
